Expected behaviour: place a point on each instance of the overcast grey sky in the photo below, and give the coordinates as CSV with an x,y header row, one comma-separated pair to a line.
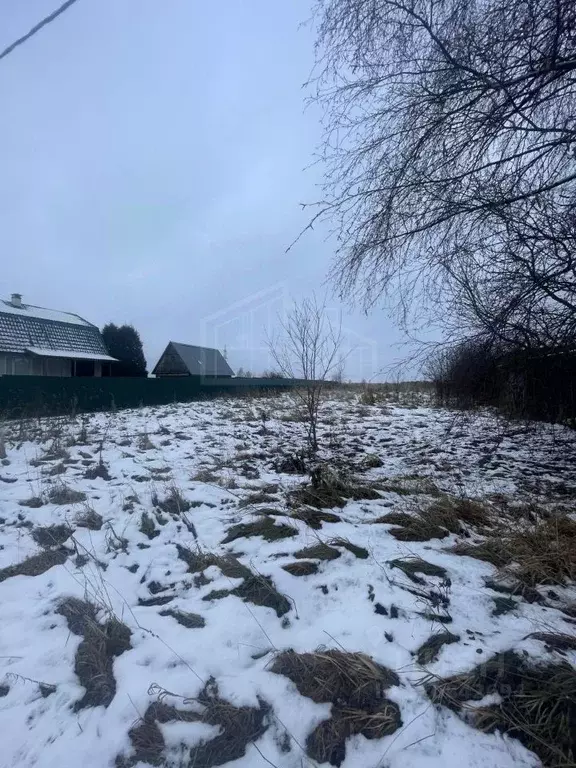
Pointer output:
x,y
153,166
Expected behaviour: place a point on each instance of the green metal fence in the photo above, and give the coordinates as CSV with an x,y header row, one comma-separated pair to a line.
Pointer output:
x,y
43,395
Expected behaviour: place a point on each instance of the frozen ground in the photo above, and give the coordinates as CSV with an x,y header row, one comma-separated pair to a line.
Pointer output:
x,y
169,594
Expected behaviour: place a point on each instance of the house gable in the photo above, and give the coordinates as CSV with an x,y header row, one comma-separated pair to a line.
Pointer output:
x,y
189,360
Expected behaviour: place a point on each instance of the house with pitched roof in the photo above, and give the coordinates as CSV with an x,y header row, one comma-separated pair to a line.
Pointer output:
x,y
188,360
35,341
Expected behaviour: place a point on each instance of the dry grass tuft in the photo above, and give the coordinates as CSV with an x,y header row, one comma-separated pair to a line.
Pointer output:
x,y
238,727
63,494
537,703
255,588
147,526
35,565
555,641
442,517
257,498
188,620
199,561
335,676
541,553
412,566
359,552
99,471
95,654
429,651
173,502
372,461
258,590
51,535
354,684
264,527
301,568
492,551
315,517
317,552
409,485
329,488
205,476
450,510
89,518
327,742
34,502
291,464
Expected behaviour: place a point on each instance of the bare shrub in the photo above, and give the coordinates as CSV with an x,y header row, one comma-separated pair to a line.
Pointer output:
x,y
308,349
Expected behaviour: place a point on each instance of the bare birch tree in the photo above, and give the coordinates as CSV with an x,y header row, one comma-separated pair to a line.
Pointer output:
x,y
450,159
308,348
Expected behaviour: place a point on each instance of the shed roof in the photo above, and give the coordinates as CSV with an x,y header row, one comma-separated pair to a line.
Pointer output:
x,y
199,361
27,327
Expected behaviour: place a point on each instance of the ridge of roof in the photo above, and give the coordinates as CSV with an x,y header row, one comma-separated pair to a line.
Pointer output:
x,y
43,313
195,346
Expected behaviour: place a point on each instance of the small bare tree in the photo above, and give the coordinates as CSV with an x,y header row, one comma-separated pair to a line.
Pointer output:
x,y
308,348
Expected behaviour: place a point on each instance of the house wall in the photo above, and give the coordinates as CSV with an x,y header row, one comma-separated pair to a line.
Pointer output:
x,y
26,365
170,365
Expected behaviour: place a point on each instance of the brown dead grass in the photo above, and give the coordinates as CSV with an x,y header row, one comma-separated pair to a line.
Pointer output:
x,y
335,675
301,568
359,552
430,650
63,494
315,517
35,565
446,515
537,705
185,619
255,588
51,535
173,503
264,527
89,518
331,487
412,566
95,654
319,551
354,684
409,485
542,553
239,726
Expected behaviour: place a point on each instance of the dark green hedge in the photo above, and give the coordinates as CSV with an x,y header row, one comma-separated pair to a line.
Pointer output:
x,y
46,395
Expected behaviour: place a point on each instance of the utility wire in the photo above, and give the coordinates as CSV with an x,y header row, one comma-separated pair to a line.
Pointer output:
x,y
37,27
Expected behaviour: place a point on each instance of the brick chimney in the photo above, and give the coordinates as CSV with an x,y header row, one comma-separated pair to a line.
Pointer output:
x,y
16,299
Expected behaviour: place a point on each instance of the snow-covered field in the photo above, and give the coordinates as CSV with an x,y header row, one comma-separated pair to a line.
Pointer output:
x,y
179,618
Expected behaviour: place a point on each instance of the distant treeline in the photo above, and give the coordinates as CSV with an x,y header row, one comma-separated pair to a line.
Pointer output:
x,y
537,384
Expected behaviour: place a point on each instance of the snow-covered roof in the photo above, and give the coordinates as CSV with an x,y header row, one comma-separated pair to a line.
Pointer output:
x,y
70,355
29,310
26,327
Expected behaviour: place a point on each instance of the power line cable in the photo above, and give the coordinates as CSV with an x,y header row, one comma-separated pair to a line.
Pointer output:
x,y
37,27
